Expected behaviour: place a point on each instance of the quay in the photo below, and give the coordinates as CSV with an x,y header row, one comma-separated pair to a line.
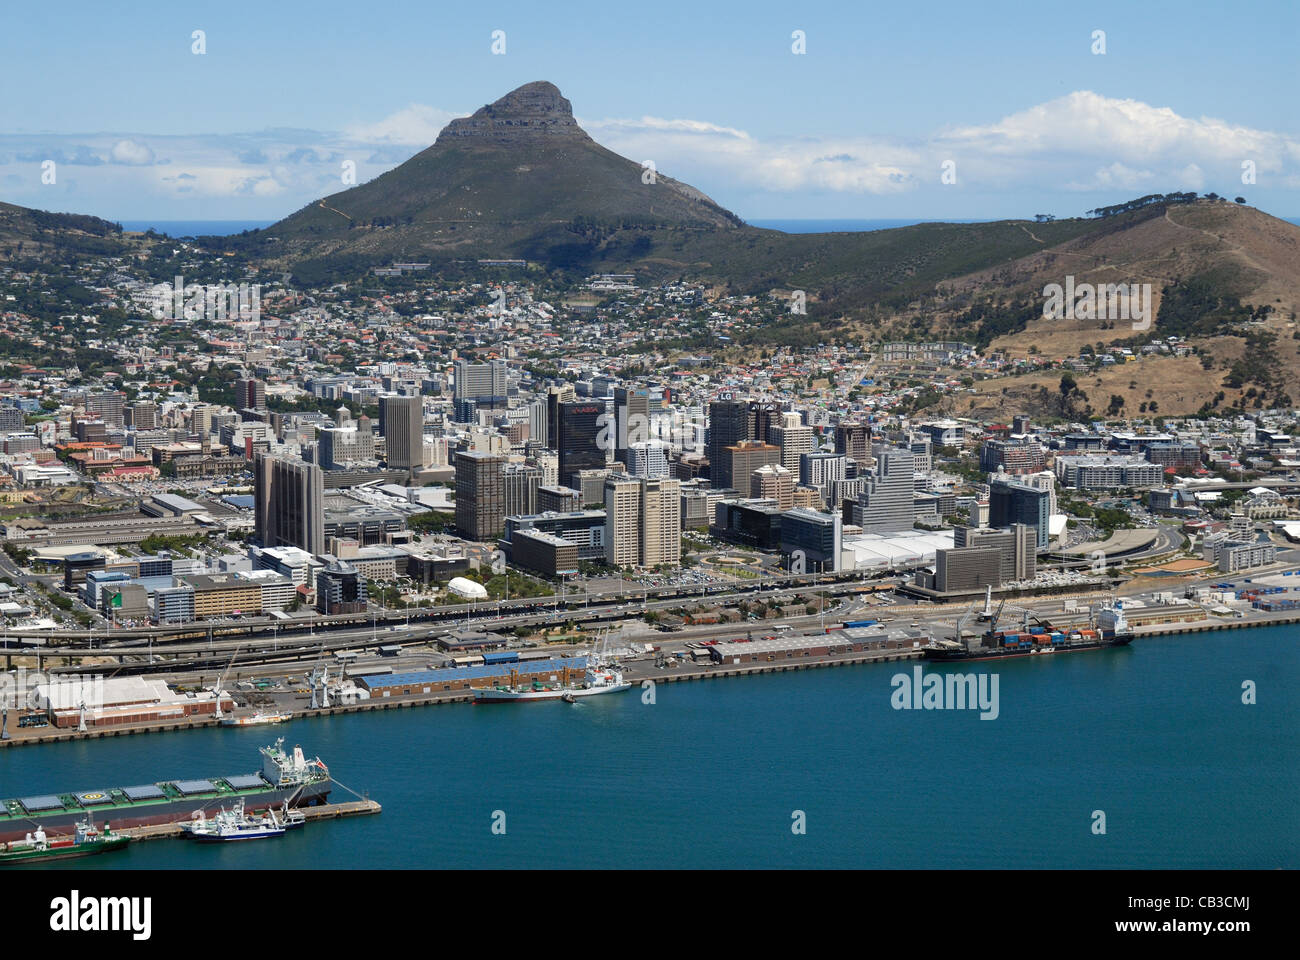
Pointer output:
x,y
324,811
638,671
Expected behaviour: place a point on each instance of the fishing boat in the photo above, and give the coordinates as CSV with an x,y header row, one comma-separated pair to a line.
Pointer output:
x,y
233,824
255,719
86,841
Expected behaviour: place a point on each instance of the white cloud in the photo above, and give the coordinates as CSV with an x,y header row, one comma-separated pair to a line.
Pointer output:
x,y
1080,142
131,153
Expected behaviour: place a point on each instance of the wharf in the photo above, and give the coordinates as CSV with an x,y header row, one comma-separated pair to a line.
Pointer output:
x,y
636,670
323,811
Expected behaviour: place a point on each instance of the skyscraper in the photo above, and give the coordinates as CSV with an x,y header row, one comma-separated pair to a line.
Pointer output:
x,y
728,425
402,424
250,395
1012,502
484,383
794,439
580,423
480,495
853,439
289,503
631,419
643,526
745,457
887,503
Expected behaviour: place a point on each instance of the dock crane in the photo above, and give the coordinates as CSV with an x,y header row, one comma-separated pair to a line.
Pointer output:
x,y
216,687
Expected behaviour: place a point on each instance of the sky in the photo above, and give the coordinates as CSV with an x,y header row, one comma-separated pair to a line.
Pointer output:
x,y
927,110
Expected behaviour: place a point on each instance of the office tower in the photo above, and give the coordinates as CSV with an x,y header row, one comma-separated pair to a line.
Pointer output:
x,y
820,469
773,482
728,425
763,416
1012,456
580,424
558,499
142,416
483,383
886,503
795,440
337,447
250,395
289,503
661,521
643,526
648,459
742,459
402,424
554,397
537,421
622,520
480,495
631,419
340,588
1012,502
814,536
853,439
520,483
107,406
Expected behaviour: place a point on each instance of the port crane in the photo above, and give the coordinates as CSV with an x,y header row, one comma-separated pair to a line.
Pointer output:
x,y
216,687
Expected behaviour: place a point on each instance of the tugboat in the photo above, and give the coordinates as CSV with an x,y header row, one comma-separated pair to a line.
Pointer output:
x,y
85,842
234,824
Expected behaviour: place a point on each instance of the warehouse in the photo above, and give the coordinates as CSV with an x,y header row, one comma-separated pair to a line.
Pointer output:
x,y
467,678
783,648
121,700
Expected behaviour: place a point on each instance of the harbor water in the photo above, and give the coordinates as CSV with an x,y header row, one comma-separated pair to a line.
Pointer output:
x,y
722,773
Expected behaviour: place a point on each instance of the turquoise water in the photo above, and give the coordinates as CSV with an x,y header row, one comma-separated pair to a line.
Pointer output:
x,y
1155,735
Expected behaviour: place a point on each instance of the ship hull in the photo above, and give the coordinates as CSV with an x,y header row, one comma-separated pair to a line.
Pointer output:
x,y
990,653
107,845
64,822
517,696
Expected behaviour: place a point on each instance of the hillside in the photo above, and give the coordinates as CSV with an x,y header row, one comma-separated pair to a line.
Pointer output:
x,y
27,234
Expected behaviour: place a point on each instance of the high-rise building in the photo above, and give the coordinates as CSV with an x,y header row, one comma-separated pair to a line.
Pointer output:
x,y
1011,502
622,520
773,482
289,503
580,425
142,416
853,439
250,395
480,495
107,406
521,483
648,459
643,526
483,383
728,426
661,521
1012,456
340,588
743,458
631,419
820,470
402,424
886,503
814,537
795,440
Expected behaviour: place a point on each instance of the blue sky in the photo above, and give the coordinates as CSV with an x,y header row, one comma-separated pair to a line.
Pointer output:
x,y
859,126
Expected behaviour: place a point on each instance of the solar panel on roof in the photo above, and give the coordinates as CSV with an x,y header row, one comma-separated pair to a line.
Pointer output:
x,y
47,802
189,787
147,792
93,797
246,781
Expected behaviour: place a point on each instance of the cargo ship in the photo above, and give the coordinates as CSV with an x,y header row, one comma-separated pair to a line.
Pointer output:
x,y
37,847
1110,629
285,778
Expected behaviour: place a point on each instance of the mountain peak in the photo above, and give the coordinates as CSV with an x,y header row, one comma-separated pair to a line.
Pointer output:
x,y
536,109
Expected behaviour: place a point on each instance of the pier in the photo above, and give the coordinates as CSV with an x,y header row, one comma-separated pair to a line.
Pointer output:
x,y
638,671
322,811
